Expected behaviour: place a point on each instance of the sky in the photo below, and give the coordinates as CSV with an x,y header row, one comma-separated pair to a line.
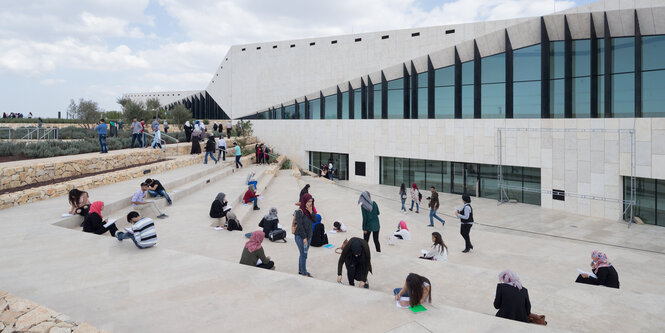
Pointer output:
x,y
55,51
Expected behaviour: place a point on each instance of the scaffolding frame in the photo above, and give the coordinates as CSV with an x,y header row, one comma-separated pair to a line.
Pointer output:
x,y
628,205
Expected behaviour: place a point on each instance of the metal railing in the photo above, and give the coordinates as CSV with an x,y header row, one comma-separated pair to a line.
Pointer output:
x,y
29,133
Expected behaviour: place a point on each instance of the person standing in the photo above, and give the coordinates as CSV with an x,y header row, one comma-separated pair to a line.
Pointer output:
x,y
136,132
188,131
221,146
166,126
155,124
101,130
144,142
402,196
259,153
511,298
210,149
196,146
214,127
415,197
39,122
302,225
370,213
433,207
229,126
331,168
466,217
238,153
357,258
157,140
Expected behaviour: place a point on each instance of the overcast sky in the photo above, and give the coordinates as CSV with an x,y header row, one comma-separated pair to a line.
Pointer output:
x,y
54,51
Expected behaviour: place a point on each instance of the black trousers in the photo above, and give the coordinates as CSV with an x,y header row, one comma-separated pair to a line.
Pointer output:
x,y
353,273
464,230
267,265
375,235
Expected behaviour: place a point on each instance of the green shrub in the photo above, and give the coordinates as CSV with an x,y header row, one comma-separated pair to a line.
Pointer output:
x,y
286,165
44,120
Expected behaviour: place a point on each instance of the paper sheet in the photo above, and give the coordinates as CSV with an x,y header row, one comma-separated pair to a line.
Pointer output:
x,y
67,215
129,230
423,251
110,221
405,299
588,273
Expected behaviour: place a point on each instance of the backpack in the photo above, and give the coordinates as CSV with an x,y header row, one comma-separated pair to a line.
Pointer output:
x,y
276,235
420,196
233,225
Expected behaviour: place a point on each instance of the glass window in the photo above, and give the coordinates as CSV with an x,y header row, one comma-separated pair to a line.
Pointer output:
x,y
433,176
467,72
445,76
493,100
396,99
290,111
377,101
357,104
581,57
623,54
417,173
645,197
653,96
660,204
444,102
531,181
315,109
331,107
278,113
653,52
493,68
446,186
422,95
557,57
467,101
601,57
526,64
488,182
301,110
557,96
402,172
526,99
623,95
345,105
601,96
581,97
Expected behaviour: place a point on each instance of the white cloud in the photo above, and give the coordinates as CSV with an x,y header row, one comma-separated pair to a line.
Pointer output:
x,y
50,82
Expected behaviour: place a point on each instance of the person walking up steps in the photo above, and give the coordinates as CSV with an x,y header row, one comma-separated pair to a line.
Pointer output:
x,y
238,153
221,146
371,224
415,197
433,207
210,149
466,217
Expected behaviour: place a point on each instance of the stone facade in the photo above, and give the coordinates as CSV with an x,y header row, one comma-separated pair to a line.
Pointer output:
x,y
20,315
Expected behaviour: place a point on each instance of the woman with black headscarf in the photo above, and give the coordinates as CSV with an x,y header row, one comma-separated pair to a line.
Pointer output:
x,y
356,256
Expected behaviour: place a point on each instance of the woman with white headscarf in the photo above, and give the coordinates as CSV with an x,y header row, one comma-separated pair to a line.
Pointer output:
x,y
188,130
371,225
512,299
269,222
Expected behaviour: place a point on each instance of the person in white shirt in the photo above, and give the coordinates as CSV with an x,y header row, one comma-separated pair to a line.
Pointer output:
x,y
221,146
138,201
338,227
402,231
438,251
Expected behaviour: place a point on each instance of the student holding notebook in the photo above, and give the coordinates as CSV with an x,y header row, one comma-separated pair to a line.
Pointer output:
x,y
417,290
142,232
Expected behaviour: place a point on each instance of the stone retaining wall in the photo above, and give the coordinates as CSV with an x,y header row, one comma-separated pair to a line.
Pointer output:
x,y
20,315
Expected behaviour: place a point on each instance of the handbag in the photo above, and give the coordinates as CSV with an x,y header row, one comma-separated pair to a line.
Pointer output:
x,y
294,225
340,249
537,319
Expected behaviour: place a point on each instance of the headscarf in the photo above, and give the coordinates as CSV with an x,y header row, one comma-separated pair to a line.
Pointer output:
x,y
249,176
254,242
318,220
509,277
414,186
187,123
220,197
96,207
599,259
402,225
366,201
272,214
303,204
303,191
232,216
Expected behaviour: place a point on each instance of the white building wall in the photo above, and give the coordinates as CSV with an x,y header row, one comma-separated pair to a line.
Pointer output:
x,y
579,162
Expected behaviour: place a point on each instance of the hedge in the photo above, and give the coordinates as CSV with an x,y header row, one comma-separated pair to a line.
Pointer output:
x,y
53,148
44,120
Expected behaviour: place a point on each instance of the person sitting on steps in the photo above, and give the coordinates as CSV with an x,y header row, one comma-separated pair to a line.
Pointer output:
x,y
251,196
142,232
253,252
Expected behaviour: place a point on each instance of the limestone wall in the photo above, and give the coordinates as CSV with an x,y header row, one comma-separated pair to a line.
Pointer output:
x,y
20,315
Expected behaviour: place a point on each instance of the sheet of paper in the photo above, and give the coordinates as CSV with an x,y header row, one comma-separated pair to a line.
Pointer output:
x,y
402,299
423,251
333,231
418,308
67,215
110,221
588,273
227,208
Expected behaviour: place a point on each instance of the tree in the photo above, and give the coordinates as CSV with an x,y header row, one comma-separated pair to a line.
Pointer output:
x,y
180,114
245,128
131,109
86,112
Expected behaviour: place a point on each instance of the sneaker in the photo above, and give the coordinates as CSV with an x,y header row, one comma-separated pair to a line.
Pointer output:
x,y
161,216
443,223
430,225
466,251
366,286
257,208
170,203
219,228
411,209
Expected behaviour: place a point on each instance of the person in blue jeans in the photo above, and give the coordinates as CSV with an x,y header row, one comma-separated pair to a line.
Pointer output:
x,y
304,218
101,130
156,189
136,133
210,149
433,207
238,153
402,196
142,231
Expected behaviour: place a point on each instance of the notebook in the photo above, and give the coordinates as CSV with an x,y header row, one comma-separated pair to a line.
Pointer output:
x,y
110,221
588,273
418,308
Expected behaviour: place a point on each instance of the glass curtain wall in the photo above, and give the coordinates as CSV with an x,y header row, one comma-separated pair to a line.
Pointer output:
x,y
331,107
653,77
600,59
315,109
581,79
444,93
395,99
301,110
357,103
468,92
623,77
290,111
526,86
459,178
557,81
340,163
345,105
423,85
493,86
377,100
650,199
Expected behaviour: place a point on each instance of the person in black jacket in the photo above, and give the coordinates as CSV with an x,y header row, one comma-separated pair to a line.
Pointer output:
x,y
269,222
218,209
511,298
357,258
302,222
211,146
188,131
319,237
94,221
605,273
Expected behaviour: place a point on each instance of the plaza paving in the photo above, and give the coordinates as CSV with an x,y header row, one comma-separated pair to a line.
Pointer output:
x,y
191,281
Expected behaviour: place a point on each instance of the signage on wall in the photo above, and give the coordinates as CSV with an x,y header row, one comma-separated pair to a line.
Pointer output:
x,y
360,168
559,195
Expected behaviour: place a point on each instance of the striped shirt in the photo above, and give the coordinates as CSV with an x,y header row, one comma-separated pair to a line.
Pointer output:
x,y
145,234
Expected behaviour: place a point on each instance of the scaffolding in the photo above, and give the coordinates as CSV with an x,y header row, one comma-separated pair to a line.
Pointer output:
x,y
628,204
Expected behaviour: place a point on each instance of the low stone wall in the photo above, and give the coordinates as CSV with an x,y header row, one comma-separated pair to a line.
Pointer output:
x,y
20,315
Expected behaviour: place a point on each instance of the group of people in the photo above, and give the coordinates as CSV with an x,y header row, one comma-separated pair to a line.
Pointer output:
x,y
327,170
217,145
15,115
262,154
